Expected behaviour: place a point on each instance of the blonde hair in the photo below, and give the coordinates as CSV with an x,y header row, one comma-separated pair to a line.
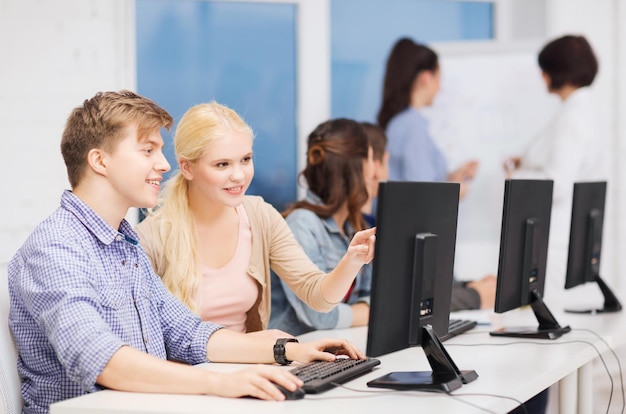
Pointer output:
x,y
179,261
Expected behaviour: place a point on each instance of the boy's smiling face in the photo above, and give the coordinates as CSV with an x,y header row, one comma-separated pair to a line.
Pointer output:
x,y
135,168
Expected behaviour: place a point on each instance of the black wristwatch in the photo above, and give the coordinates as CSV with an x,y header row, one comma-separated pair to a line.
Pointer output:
x,y
279,350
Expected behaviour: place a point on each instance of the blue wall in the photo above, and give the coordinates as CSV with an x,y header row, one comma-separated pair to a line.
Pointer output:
x,y
244,55
363,32
239,54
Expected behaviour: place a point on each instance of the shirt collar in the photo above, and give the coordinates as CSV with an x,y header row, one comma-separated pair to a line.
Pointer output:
x,y
94,223
580,94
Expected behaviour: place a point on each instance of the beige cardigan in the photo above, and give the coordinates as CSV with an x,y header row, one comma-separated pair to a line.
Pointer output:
x,y
273,245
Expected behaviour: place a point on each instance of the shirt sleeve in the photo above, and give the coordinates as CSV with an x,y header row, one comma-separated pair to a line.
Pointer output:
x,y
418,160
564,151
566,158
57,291
412,151
184,333
289,261
463,297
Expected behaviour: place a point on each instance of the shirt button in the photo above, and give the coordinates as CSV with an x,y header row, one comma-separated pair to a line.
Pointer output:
x,y
252,269
118,237
136,265
123,262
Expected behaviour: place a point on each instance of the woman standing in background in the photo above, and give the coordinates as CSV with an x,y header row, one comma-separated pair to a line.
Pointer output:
x,y
412,80
568,149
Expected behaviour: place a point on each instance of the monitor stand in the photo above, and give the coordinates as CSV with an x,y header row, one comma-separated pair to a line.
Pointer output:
x,y
548,328
445,376
611,303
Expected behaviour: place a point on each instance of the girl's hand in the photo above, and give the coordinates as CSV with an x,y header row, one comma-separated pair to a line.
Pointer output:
x,y
325,349
361,249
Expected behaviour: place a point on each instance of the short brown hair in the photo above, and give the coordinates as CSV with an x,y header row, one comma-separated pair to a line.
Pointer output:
x,y
568,60
98,122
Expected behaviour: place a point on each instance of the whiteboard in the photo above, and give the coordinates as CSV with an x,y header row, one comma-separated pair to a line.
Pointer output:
x,y
489,107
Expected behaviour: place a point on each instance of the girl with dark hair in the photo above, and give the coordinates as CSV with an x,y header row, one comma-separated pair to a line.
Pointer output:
x,y
412,80
338,173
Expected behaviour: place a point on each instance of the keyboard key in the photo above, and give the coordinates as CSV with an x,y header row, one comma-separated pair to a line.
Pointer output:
x,y
320,376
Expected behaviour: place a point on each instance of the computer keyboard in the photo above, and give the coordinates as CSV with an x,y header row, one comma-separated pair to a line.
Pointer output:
x,y
456,327
320,376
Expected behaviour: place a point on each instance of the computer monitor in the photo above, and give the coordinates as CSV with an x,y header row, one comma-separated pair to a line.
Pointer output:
x,y
585,243
523,256
412,281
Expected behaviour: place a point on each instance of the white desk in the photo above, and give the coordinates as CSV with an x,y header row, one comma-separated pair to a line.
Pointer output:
x,y
516,370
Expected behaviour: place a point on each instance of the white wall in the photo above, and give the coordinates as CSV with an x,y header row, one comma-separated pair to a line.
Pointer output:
x,y
55,54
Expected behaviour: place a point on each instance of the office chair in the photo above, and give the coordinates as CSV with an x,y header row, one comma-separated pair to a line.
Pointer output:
x,y
10,392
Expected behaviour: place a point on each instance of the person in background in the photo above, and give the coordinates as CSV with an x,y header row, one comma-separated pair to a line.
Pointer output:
x,y
378,141
475,294
411,82
229,241
568,149
87,312
338,173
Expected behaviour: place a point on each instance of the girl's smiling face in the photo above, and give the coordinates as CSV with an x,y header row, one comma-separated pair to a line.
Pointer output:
x,y
224,172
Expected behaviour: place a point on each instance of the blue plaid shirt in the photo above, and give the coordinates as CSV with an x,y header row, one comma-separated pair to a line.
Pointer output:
x,y
79,291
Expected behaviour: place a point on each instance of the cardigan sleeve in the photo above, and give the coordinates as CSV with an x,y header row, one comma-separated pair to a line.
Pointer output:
x,y
285,256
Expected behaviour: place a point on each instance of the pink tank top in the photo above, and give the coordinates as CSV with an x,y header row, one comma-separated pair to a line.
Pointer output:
x,y
227,293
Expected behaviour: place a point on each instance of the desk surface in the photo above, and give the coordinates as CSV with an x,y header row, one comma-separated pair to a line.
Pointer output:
x,y
509,369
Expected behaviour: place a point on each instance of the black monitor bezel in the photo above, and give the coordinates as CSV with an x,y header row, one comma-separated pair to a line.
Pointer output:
x,y
523,200
522,262
585,244
412,281
433,208
587,197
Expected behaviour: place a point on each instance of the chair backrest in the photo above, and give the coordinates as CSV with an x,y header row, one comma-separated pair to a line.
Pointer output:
x,y
10,392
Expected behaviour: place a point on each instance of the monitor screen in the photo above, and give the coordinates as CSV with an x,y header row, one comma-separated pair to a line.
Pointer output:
x,y
523,255
412,279
585,243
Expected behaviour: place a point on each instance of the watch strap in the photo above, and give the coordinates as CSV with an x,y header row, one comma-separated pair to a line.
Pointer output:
x,y
279,350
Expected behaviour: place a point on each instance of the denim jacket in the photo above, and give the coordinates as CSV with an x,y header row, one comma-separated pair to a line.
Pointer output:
x,y
325,246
